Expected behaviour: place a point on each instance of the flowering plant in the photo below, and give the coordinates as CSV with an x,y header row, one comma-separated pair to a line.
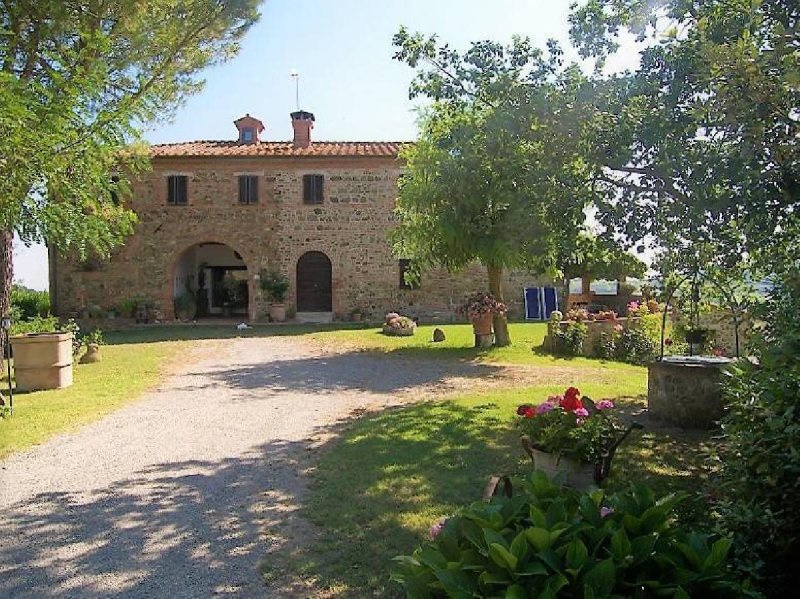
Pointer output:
x,y
481,303
571,426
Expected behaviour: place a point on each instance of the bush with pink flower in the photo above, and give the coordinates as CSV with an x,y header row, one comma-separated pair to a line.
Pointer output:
x,y
571,426
481,303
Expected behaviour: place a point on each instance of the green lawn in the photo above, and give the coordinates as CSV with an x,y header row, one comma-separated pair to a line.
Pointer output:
x,y
378,490
124,373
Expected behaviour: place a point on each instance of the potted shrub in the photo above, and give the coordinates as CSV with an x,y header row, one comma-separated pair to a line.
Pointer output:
x,y
480,309
357,314
276,286
398,326
185,306
572,436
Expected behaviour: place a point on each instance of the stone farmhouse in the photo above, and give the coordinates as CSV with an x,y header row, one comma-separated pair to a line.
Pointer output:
x,y
317,211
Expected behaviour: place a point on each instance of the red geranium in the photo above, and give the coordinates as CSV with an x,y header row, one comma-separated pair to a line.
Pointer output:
x,y
571,400
526,410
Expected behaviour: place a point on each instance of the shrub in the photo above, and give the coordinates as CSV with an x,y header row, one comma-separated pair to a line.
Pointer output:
x,y
37,324
481,303
275,285
634,345
549,542
758,459
30,303
570,339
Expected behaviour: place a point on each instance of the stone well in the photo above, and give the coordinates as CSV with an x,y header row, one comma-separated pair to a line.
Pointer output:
x,y
685,390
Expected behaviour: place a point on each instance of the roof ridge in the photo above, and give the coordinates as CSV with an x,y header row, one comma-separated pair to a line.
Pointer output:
x,y
280,141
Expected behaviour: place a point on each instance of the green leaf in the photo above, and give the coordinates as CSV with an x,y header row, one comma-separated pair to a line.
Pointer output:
x,y
538,537
620,545
516,592
601,578
576,554
431,557
533,568
519,546
457,584
719,551
502,557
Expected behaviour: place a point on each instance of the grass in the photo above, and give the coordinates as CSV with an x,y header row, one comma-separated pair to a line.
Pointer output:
x,y
124,374
378,490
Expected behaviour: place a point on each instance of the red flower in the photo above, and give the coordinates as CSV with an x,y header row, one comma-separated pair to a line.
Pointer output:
x,y
571,400
529,412
521,409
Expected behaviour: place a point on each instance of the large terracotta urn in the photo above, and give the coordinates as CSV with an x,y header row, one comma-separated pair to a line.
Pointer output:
x,y
42,360
482,324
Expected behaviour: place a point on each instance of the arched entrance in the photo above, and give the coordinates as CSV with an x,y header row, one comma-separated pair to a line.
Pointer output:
x,y
314,288
210,279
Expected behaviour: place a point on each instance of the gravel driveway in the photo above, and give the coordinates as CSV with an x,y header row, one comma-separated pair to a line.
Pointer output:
x,y
182,493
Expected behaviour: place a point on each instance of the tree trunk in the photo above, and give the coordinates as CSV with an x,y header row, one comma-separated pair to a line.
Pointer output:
x,y
501,336
6,275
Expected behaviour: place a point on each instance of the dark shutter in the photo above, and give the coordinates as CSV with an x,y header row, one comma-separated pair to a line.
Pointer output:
x,y
248,189
176,189
313,189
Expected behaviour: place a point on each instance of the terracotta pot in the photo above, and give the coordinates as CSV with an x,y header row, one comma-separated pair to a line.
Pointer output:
x,y
277,312
482,325
578,475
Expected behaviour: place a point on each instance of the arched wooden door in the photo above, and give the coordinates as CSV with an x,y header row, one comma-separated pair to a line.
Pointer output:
x,y
314,288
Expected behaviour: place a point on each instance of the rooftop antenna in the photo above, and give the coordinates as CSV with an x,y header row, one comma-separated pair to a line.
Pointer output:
x,y
296,76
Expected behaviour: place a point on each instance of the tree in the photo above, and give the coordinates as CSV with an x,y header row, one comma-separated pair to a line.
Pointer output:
x,y
591,257
699,147
707,149
78,80
495,176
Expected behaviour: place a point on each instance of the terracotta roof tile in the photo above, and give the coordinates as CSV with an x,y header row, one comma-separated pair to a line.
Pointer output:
x,y
277,149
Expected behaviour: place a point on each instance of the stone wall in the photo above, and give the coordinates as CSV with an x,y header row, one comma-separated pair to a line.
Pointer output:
x,y
350,227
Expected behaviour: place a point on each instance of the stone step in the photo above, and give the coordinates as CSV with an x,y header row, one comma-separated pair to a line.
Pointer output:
x,y
314,317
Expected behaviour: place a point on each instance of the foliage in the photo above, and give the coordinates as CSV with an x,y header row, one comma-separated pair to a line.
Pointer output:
x,y
37,324
571,426
275,285
570,339
186,304
78,82
30,303
550,542
494,176
635,346
758,460
588,255
481,303
93,337
697,150
233,288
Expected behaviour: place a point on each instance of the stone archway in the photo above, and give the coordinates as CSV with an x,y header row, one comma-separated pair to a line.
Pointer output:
x,y
216,277
314,283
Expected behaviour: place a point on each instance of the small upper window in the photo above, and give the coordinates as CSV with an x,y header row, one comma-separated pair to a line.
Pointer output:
x,y
312,189
247,135
405,268
248,189
176,189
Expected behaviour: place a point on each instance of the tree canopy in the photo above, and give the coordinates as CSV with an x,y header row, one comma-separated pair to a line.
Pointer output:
x,y
496,176
79,79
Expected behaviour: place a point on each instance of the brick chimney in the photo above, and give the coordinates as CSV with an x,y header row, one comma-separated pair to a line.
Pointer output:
x,y
302,123
249,128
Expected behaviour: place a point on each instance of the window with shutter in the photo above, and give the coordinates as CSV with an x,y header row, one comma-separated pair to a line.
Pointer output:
x,y
176,190
405,267
248,189
312,189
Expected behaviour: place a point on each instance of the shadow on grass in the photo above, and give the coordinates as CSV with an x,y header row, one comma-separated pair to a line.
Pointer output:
x,y
329,374
393,476
189,332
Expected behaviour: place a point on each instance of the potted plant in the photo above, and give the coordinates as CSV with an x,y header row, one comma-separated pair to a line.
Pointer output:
x,y
398,326
572,436
480,308
357,314
185,306
276,286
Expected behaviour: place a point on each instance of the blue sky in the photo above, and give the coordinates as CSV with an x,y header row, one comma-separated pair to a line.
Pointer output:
x,y
342,51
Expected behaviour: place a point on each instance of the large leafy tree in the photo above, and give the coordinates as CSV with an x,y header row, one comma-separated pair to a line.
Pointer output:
x,y
496,176
707,151
78,81
698,147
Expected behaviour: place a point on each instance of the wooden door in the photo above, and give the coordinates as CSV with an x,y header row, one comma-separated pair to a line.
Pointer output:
x,y
314,289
